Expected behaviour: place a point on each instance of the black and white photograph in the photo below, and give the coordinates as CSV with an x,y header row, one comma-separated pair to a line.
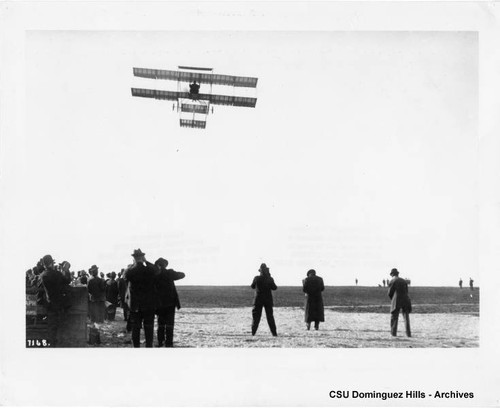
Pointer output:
x,y
283,212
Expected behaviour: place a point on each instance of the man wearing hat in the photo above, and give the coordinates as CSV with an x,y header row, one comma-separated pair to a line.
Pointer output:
x,y
398,292
97,295
141,297
122,291
55,285
111,296
312,286
263,285
168,301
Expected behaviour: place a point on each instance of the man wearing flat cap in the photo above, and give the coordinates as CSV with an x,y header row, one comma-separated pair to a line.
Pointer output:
x,y
398,292
141,297
55,285
168,301
263,285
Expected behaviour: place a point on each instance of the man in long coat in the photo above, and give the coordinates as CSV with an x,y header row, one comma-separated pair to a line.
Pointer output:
x,y
168,301
263,285
55,285
398,292
314,310
122,291
97,295
141,297
111,296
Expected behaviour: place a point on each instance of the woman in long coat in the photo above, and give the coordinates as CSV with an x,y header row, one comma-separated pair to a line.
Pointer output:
x,y
314,310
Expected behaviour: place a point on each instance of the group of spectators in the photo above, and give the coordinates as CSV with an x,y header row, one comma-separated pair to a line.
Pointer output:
x,y
142,289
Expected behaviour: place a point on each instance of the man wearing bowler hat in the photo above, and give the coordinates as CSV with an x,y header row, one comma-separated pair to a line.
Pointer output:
x,y
168,301
398,292
97,296
263,285
55,285
141,297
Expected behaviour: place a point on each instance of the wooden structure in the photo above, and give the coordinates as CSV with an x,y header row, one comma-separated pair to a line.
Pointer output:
x,y
73,330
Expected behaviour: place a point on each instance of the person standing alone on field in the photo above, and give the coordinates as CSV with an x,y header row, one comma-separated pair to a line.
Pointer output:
x,y
471,283
263,285
460,283
168,301
314,310
141,297
398,292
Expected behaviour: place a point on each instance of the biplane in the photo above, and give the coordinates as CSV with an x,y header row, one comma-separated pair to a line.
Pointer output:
x,y
194,102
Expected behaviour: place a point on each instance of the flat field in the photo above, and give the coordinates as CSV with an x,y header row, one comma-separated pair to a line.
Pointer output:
x,y
337,298
354,317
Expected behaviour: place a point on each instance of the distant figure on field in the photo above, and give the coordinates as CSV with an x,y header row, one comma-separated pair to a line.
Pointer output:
x,y
141,297
471,283
263,285
97,296
398,292
55,285
383,282
356,280
314,310
168,301
460,282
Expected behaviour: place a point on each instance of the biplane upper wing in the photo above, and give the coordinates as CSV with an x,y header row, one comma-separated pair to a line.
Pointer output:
x,y
203,78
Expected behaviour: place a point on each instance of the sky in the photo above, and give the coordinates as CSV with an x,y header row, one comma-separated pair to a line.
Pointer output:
x,y
360,156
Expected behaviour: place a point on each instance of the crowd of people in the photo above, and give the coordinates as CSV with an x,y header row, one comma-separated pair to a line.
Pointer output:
x,y
145,290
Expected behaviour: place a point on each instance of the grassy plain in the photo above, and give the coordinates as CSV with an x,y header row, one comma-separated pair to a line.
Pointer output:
x,y
359,299
355,316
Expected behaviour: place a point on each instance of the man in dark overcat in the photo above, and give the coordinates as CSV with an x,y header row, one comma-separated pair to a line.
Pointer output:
x,y
141,297
55,285
168,301
312,286
97,296
112,294
122,291
398,292
263,285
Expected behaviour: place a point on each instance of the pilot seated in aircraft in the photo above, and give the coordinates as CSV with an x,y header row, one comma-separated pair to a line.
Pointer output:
x,y
194,88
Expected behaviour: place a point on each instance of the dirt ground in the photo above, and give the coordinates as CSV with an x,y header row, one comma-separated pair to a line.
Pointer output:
x,y
230,327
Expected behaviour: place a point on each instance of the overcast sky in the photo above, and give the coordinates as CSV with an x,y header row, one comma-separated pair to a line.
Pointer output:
x,y
360,156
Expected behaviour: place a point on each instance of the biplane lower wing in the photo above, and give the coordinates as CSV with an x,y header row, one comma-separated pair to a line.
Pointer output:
x,y
231,100
157,94
192,108
215,99
198,124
